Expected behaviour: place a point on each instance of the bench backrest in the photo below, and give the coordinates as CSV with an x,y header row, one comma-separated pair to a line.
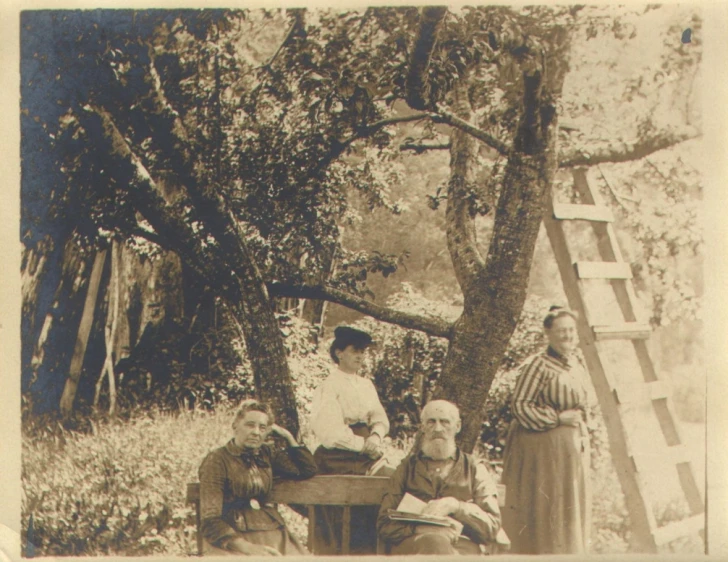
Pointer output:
x,y
343,490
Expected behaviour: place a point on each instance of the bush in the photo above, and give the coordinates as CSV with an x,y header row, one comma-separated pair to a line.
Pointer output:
x,y
120,490
173,367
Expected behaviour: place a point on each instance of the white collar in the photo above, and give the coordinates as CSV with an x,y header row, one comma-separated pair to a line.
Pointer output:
x,y
338,372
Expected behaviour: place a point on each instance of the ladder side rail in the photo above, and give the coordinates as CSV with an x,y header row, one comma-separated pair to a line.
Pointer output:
x,y
642,518
624,292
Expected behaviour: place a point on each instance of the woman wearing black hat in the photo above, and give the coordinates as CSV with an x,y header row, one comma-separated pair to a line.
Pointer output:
x,y
350,424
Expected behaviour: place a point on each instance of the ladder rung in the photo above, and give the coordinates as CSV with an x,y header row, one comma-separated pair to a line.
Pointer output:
x,y
603,270
677,454
656,390
677,529
626,331
569,211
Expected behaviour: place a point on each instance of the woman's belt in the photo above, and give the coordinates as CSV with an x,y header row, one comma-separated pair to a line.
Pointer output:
x,y
241,503
361,429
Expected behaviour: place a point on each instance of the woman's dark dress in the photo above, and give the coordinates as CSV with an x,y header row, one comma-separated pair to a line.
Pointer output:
x,y
232,476
329,519
546,465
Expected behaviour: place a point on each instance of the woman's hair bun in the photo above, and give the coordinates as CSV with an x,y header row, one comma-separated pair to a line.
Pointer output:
x,y
556,311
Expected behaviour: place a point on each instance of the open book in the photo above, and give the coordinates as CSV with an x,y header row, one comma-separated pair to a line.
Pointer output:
x,y
410,510
381,468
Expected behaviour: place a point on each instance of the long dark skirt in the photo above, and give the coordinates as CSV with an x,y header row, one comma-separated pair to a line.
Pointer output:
x,y
280,539
329,519
548,503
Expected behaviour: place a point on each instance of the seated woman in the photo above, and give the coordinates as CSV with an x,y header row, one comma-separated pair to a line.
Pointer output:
x,y
235,480
350,423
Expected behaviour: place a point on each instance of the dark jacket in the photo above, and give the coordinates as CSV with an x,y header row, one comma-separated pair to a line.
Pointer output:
x,y
231,476
468,481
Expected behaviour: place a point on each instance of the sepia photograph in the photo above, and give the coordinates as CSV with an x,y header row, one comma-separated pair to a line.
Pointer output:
x,y
364,281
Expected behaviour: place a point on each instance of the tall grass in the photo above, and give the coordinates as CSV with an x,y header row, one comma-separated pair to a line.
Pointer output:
x,y
121,489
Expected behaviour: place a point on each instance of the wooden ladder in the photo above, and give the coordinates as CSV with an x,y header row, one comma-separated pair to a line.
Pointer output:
x,y
614,394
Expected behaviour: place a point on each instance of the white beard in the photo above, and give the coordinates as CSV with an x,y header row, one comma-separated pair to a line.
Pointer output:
x,y
439,449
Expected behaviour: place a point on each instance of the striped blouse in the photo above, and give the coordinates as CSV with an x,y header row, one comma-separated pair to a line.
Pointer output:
x,y
549,383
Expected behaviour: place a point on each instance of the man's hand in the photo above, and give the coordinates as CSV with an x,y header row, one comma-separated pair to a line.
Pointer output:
x,y
239,544
449,532
442,507
283,432
570,417
373,446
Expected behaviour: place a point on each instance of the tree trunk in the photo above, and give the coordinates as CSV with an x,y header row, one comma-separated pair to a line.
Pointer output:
x,y
112,321
495,293
34,270
51,351
43,273
79,350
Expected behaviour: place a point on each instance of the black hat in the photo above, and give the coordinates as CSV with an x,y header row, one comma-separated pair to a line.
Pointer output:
x,y
346,335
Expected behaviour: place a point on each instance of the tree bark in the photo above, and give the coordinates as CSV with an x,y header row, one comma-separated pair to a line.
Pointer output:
x,y
84,329
417,84
495,293
459,216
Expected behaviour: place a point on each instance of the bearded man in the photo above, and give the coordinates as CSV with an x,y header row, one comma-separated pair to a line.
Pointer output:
x,y
451,483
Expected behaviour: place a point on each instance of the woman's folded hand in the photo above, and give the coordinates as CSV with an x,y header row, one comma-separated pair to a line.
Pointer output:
x,y
570,417
373,446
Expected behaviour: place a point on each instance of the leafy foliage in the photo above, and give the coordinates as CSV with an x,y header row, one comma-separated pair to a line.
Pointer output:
x,y
172,367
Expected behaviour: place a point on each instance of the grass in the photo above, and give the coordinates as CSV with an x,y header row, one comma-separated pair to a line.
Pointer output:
x,y
121,489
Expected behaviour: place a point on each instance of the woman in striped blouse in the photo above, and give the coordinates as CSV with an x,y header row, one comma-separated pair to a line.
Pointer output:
x,y
546,461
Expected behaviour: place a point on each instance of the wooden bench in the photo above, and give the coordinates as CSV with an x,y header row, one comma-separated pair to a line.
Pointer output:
x,y
341,490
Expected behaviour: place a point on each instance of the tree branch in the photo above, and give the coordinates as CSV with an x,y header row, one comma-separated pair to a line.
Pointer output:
x,y
448,118
462,240
209,202
638,150
429,325
152,237
417,84
420,148
374,127
163,109
295,25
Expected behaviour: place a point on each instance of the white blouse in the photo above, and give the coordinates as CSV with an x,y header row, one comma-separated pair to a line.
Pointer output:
x,y
343,400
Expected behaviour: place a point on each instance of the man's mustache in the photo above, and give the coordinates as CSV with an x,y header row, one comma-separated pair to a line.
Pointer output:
x,y
440,435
